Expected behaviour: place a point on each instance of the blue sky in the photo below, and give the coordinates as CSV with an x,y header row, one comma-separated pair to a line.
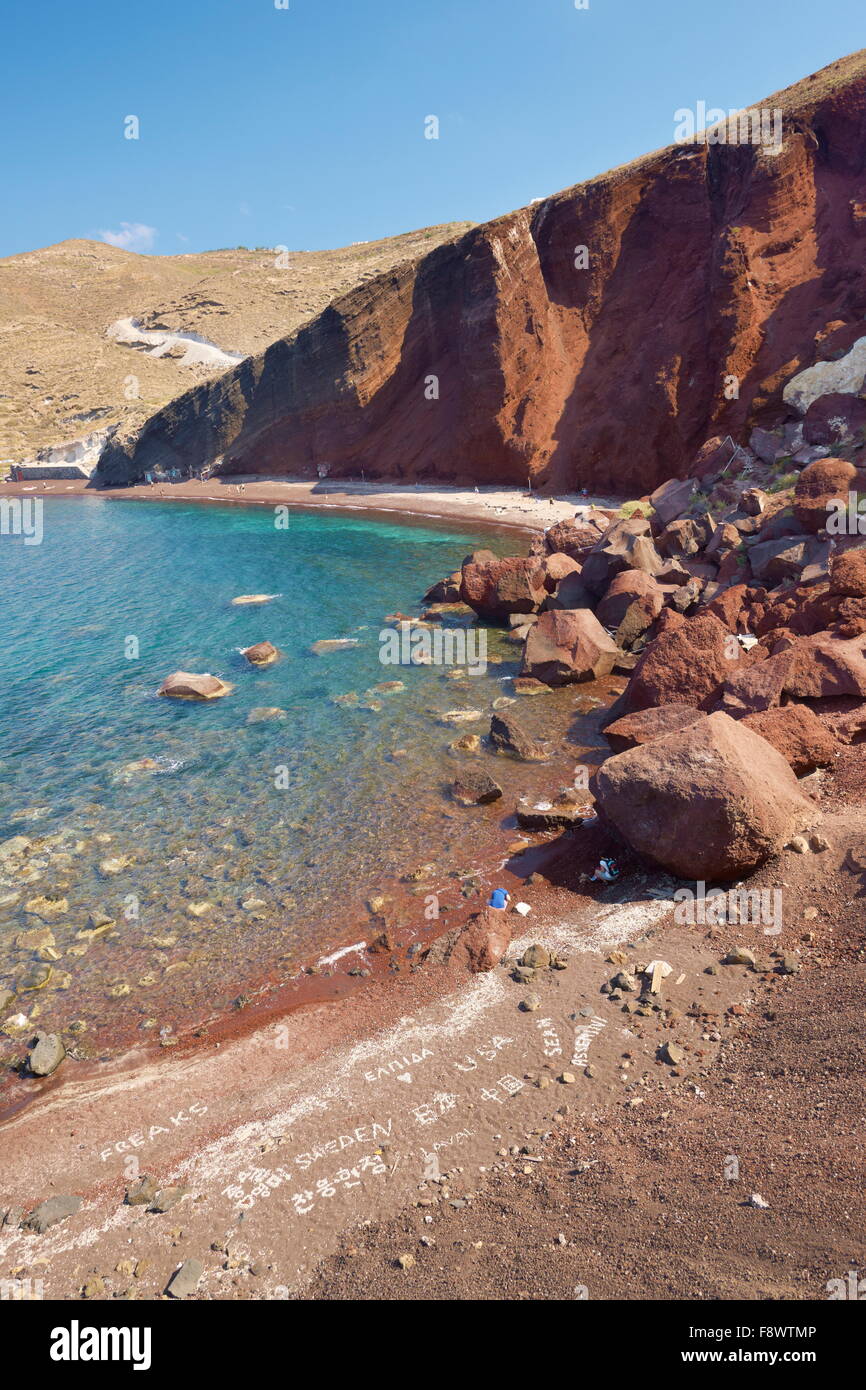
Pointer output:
x,y
305,126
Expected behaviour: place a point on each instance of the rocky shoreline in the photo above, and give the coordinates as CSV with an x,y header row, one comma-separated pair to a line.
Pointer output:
x,y
733,693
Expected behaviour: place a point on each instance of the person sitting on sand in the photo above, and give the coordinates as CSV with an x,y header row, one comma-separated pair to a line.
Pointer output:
x,y
499,899
606,871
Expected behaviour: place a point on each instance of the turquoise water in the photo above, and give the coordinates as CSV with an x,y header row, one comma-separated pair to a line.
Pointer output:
x,y
281,827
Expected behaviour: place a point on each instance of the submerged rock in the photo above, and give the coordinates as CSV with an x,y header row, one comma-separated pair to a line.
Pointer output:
x,y
333,644
475,789
507,736
561,813
262,713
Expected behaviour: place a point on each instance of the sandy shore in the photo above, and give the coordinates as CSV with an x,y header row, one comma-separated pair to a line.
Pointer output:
x,y
488,506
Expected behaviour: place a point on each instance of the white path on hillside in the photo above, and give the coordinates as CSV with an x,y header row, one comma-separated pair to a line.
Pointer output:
x,y
129,333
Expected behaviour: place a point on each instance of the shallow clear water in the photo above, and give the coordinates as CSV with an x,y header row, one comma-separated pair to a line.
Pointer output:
x,y
283,827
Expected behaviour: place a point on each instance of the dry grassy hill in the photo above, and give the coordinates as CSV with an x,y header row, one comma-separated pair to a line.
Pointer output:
x,y
62,377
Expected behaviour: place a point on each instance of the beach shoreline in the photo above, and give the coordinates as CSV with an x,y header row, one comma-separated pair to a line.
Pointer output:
x,y
508,508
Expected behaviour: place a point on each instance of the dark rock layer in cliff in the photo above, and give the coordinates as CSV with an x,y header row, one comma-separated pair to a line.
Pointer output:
x,y
711,274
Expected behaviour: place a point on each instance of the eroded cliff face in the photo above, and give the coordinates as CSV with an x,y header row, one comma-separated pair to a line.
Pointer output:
x,y
498,356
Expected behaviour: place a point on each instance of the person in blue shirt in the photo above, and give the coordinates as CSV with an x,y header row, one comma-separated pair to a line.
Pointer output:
x,y
607,871
499,899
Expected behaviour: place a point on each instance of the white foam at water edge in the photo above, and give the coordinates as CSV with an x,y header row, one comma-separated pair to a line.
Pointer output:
x,y
338,955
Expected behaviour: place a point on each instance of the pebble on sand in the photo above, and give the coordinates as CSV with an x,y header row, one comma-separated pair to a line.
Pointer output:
x,y
185,1280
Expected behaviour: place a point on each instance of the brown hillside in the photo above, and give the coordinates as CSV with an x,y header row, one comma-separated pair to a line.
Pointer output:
x,y
62,377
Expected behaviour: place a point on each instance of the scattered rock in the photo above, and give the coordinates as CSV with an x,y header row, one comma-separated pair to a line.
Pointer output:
x,y
475,789
333,644
47,1055
166,1198
110,868
507,736
46,907
467,743
549,815
756,1200
186,685
142,1193
535,957
185,1280
51,1212
261,654
266,712
740,955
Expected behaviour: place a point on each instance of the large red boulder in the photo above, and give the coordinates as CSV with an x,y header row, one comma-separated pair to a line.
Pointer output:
x,y
623,590
688,664
832,417
445,590
478,946
712,457
823,482
633,730
627,545
798,734
672,499
566,645
495,588
734,607
823,666
812,668
557,567
753,687
848,573
574,538
710,802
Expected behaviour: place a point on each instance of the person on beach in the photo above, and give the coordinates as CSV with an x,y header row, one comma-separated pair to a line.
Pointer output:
x,y
606,871
499,899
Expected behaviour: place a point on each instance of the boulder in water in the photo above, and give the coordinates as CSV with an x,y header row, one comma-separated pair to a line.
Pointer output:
x,y
261,654
187,685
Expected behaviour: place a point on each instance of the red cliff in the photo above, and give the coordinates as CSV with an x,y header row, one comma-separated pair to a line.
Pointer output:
x,y
494,357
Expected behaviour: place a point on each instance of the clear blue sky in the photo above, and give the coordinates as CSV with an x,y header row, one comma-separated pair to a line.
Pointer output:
x,y
305,127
